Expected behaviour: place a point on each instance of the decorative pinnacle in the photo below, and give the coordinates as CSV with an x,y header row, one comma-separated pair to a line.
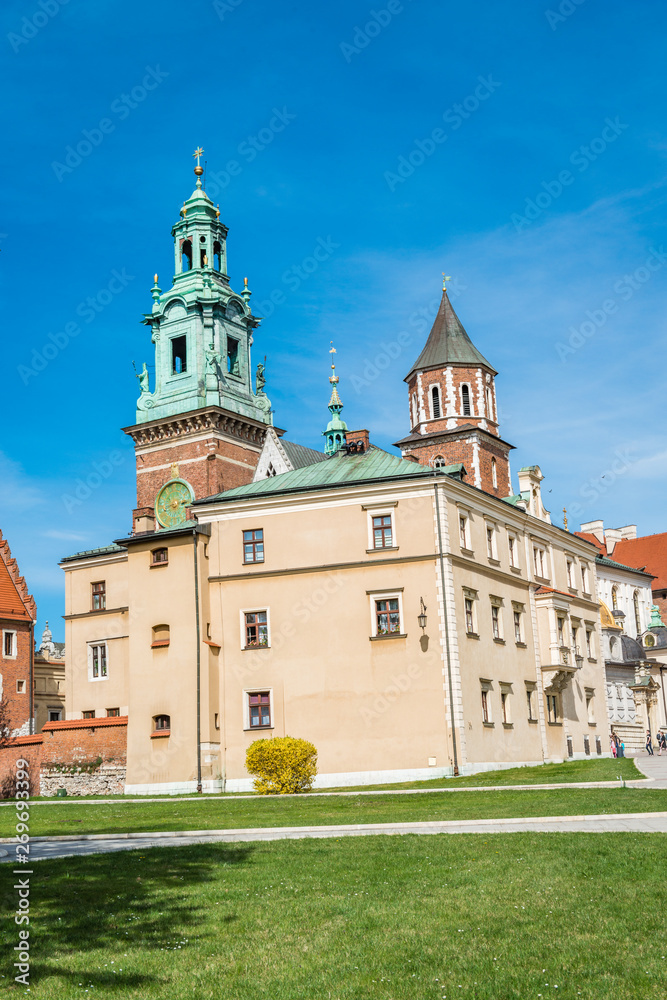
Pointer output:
x,y
334,379
445,279
565,518
156,291
246,293
199,170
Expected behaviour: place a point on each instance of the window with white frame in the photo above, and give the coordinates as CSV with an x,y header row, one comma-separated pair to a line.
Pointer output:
x,y
255,625
386,612
575,626
9,644
497,618
590,706
469,598
570,573
465,401
494,473
505,703
381,529
517,619
489,405
584,578
21,687
435,403
530,700
97,661
258,709
491,541
485,692
553,714
464,531
590,649
513,546
540,561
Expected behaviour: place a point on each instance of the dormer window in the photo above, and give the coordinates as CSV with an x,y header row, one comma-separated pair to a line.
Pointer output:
x,y
186,256
465,400
179,356
435,402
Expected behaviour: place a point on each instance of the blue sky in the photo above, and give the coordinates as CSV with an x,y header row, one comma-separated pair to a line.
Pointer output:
x,y
518,146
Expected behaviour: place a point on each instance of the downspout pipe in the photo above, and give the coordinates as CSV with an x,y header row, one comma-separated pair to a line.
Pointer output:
x,y
441,560
198,639
31,727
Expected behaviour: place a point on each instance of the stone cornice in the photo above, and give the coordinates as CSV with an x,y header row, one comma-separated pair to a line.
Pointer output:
x,y
207,419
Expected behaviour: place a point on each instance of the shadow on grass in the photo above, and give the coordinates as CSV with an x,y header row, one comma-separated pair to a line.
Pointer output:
x,y
117,903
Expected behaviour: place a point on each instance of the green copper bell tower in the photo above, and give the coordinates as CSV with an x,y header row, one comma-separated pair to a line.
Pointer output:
x,y
336,428
202,330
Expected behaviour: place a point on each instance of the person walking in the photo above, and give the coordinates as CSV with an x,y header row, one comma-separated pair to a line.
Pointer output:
x,y
662,742
621,748
612,741
649,744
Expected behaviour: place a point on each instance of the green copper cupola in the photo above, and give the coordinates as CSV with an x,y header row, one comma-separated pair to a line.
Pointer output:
x,y
334,435
201,328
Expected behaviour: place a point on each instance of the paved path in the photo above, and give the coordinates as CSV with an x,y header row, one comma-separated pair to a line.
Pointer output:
x,y
67,846
654,767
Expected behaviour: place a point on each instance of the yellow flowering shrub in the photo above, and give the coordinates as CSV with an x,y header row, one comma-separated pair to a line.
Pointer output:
x,y
282,765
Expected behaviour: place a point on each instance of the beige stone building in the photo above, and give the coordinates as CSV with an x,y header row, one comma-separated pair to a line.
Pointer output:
x,y
403,613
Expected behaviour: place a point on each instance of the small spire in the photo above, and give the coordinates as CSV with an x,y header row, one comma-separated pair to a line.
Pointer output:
x,y
336,428
565,518
334,379
445,279
199,170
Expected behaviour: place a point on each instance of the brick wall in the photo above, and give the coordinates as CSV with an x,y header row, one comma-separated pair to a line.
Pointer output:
x,y
28,748
14,670
460,449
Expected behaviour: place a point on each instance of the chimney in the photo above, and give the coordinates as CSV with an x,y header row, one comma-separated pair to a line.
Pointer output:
x,y
358,441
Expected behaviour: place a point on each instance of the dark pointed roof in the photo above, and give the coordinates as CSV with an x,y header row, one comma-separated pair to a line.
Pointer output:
x,y
448,343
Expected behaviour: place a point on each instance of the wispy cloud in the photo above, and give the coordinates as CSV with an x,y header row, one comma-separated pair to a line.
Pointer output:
x,y
17,490
64,536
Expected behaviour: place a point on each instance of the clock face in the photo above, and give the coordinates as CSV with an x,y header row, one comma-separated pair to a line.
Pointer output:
x,y
171,502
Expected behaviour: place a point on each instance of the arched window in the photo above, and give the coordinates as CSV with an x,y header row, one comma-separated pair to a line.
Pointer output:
x,y
489,405
415,411
160,636
638,617
439,462
494,473
161,723
435,402
186,256
614,598
217,256
465,400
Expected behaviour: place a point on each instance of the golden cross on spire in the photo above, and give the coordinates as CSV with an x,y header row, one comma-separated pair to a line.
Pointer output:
x,y
198,152
565,518
445,279
333,378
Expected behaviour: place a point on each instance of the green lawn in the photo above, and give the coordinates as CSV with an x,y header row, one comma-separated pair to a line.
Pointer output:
x,y
502,917
213,814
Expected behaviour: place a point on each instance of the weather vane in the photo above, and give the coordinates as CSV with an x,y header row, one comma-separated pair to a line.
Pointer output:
x,y
445,279
198,152
333,377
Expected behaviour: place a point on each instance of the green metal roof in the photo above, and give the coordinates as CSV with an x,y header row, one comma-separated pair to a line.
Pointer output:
x,y
301,456
106,550
342,469
448,343
605,561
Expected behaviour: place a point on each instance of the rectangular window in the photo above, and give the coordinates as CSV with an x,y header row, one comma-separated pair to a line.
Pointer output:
x,y
463,532
570,573
55,714
20,687
232,356
9,645
113,713
256,629
470,617
552,707
495,621
590,708
259,710
159,557
575,640
517,627
490,543
511,541
99,660
540,561
561,631
584,578
88,715
387,616
382,533
589,643
179,355
504,704
486,717
529,702
253,546
99,594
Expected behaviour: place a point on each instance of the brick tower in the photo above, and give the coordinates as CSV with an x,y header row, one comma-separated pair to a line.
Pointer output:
x,y
201,428
453,411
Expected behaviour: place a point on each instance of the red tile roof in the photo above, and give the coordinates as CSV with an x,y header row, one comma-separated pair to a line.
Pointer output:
x,y
104,720
25,741
588,537
15,601
649,553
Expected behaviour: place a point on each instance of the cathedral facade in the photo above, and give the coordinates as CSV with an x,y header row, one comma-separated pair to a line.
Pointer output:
x,y
411,615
